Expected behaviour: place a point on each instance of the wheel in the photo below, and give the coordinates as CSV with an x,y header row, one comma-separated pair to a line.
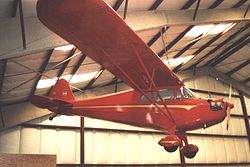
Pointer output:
x,y
189,155
171,149
190,150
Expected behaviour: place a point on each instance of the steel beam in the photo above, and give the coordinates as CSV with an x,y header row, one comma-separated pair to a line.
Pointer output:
x,y
246,80
240,3
117,5
39,38
40,71
218,47
246,119
188,4
239,67
221,76
177,39
157,36
98,74
156,4
231,50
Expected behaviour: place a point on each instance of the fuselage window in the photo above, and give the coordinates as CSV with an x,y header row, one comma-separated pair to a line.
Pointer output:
x,y
145,99
165,94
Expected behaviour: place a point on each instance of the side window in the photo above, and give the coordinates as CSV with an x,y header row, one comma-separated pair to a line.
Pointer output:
x,y
165,94
144,98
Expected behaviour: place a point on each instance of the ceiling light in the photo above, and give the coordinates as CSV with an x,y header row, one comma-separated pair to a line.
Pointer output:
x,y
175,62
220,28
209,29
65,48
198,30
45,83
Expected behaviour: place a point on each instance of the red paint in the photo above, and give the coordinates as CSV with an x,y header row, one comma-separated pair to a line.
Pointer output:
x,y
101,34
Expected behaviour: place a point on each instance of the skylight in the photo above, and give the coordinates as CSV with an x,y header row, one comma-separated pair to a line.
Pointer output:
x,y
45,83
175,62
65,48
209,29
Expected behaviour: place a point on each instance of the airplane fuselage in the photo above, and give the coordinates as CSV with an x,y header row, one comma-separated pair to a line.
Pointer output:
x,y
132,107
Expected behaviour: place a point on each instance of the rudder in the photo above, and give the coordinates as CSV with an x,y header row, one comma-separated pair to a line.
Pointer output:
x,y
61,91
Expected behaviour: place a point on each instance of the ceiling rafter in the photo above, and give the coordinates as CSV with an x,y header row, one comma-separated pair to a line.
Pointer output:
x,y
245,14
22,23
239,67
196,9
201,49
215,4
246,80
180,36
40,71
78,65
64,66
231,50
157,36
14,8
177,39
188,46
156,4
239,3
218,47
222,77
2,74
188,4
117,4
91,83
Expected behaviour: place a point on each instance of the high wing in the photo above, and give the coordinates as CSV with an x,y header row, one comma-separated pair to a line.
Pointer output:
x,y
97,30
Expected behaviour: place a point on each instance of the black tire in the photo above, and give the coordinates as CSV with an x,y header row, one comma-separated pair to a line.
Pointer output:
x,y
171,149
189,155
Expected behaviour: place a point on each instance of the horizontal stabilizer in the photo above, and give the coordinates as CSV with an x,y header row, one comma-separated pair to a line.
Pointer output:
x,y
48,102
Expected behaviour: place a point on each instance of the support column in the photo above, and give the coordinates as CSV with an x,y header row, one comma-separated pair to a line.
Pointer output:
x,y
82,142
244,109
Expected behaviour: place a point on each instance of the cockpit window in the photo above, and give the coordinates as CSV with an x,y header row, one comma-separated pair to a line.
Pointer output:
x,y
144,98
165,94
188,94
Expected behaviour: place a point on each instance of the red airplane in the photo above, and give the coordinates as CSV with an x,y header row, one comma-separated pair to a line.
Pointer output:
x,y
158,100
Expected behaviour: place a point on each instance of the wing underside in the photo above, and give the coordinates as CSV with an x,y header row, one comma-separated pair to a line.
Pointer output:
x,y
101,34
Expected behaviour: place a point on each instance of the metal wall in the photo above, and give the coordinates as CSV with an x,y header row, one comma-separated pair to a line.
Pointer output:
x,y
114,143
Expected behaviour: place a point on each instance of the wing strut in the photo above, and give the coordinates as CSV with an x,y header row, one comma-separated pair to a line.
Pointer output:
x,y
138,88
154,86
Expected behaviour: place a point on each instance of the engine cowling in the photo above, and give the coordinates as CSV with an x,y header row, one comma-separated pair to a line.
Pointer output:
x,y
170,143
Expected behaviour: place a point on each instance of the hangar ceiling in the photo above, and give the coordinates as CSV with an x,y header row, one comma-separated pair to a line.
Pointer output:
x,y
211,34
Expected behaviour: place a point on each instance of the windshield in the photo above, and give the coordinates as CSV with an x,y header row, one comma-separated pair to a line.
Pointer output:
x,y
187,93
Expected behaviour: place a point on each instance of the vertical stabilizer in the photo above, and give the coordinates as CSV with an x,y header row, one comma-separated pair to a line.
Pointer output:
x,y
62,91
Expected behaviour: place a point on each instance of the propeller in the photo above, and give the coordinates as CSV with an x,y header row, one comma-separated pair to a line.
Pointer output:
x,y
229,106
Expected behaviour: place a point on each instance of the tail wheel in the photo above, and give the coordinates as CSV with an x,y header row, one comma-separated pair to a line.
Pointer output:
x,y
190,150
171,149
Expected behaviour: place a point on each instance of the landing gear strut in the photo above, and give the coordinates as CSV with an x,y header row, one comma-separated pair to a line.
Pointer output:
x,y
172,142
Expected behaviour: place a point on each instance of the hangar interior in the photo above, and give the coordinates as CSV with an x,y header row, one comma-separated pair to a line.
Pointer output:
x,y
205,42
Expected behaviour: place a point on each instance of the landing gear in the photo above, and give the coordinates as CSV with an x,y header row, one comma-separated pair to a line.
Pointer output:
x,y
190,150
53,116
171,149
172,142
